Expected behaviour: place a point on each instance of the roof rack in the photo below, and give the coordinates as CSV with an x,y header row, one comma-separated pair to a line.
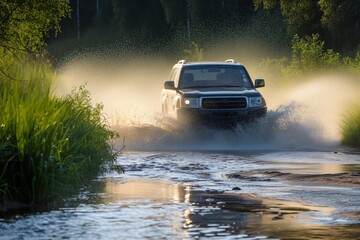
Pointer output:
x,y
230,61
182,62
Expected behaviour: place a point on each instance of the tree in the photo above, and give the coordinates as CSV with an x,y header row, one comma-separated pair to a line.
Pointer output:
x,y
337,21
342,19
302,16
25,23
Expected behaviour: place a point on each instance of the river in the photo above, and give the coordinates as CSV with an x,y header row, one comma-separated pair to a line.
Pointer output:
x,y
222,187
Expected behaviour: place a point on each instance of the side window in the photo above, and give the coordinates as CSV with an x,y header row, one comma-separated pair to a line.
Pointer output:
x,y
176,76
171,77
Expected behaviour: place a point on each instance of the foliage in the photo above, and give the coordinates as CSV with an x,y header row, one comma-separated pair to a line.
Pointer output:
x,y
303,17
194,53
342,19
267,4
24,24
309,56
337,20
49,145
350,128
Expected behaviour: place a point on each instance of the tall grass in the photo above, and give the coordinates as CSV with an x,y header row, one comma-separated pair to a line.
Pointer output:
x,y
350,128
48,145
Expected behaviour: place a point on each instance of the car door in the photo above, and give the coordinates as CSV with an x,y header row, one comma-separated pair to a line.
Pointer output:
x,y
169,95
174,98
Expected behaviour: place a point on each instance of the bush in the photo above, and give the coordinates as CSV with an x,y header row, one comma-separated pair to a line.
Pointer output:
x,y
48,145
309,56
195,53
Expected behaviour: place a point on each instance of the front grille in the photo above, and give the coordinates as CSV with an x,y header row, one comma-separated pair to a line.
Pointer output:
x,y
224,103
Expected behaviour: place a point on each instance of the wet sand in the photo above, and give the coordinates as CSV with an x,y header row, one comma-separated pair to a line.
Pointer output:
x,y
261,216
337,180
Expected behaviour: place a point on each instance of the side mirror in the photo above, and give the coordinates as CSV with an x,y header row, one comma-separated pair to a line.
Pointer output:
x,y
169,84
259,83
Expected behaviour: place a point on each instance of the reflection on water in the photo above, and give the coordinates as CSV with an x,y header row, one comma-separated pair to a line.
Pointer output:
x,y
135,208
115,208
155,190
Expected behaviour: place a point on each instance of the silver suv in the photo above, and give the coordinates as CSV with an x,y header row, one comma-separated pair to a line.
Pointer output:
x,y
212,92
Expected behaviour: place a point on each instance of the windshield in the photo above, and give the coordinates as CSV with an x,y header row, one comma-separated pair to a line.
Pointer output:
x,y
214,76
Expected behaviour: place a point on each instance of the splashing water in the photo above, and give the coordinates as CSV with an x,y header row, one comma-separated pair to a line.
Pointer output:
x,y
281,129
302,115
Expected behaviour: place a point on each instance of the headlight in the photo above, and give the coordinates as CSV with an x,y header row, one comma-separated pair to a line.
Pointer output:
x,y
256,102
190,102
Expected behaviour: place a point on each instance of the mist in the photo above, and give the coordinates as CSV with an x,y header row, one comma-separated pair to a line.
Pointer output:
x,y
304,114
130,91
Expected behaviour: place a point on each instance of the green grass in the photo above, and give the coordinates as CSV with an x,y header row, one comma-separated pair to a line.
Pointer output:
x,y
49,146
350,128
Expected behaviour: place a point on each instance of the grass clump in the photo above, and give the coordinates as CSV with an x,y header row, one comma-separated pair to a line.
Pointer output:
x,y
48,145
350,128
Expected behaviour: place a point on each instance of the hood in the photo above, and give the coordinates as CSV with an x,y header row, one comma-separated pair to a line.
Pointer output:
x,y
219,91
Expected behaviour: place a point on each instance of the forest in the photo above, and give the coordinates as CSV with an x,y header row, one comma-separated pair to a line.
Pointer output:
x,y
184,21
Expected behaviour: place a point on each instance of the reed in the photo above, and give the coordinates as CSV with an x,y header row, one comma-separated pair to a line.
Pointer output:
x,y
49,145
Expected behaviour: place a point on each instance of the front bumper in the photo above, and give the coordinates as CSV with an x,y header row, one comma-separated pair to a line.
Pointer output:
x,y
198,115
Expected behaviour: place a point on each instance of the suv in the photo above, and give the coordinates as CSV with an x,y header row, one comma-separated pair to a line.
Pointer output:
x,y
212,92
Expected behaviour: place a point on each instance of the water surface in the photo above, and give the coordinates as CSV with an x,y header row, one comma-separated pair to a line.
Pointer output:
x,y
186,195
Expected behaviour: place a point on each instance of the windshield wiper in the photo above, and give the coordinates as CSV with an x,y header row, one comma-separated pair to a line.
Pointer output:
x,y
213,86
230,86
198,87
